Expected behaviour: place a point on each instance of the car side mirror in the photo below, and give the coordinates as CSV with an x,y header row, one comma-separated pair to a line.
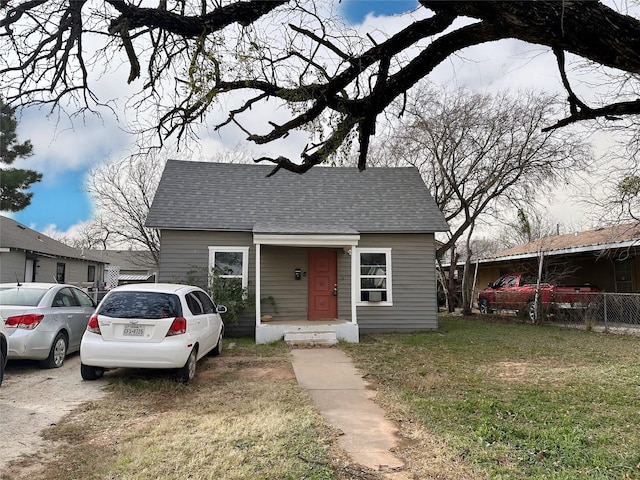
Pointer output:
x,y
222,309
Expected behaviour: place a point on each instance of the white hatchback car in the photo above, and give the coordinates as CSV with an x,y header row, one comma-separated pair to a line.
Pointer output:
x,y
152,325
3,349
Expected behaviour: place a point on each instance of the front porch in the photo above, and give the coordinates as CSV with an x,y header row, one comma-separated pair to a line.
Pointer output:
x,y
307,332
309,278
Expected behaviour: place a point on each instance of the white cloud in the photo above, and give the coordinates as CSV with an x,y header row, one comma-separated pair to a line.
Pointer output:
x,y
59,147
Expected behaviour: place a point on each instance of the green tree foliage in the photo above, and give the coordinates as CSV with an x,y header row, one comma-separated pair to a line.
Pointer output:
x,y
525,226
14,182
224,291
229,292
629,187
627,197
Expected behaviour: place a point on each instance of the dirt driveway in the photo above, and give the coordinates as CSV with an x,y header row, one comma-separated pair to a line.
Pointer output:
x,y
32,399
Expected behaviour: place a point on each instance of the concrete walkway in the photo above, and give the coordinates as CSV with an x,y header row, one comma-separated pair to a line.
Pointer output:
x,y
341,397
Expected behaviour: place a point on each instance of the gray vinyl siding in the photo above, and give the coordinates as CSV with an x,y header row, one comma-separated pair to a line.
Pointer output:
x,y
75,271
414,285
278,281
184,258
184,255
290,295
12,266
47,268
344,285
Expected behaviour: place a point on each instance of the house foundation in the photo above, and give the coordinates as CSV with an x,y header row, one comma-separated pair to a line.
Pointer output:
x,y
308,332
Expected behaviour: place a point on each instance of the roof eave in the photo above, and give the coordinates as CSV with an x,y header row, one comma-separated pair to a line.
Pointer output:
x,y
563,251
50,255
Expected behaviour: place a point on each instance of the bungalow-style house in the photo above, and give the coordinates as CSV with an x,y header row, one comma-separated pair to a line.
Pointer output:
x,y
606,257
325,254
29,256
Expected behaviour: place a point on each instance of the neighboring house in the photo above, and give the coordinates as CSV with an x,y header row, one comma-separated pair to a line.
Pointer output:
x,y
333,250
606,257
29,256
127,266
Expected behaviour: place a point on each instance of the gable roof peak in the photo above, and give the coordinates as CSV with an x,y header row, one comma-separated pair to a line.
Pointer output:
x,y
235,197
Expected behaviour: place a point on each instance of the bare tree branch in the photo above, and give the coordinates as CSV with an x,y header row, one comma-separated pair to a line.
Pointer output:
x,y
478,152
194,52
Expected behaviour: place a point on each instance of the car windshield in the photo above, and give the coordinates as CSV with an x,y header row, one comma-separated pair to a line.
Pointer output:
x,y
145,305
26,297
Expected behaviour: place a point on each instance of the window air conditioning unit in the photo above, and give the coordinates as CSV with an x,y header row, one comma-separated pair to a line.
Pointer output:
x,y
375,296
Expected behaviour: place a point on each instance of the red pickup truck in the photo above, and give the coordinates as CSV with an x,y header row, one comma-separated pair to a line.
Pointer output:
x,y
517,292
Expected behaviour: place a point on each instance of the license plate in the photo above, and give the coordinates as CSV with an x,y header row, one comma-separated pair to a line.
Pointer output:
x,y
133,331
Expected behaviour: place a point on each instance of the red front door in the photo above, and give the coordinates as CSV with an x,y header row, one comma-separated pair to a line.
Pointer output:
x,y
323,279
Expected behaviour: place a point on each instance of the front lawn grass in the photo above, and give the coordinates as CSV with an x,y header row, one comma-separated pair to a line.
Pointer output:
x,y
478,399
511,401
243,417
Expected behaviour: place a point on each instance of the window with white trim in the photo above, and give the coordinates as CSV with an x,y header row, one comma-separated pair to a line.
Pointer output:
x,y
230,262
374,272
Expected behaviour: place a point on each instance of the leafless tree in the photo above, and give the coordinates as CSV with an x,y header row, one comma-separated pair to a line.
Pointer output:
x,y
480,154
615,199
91,235
122,192
187,55
529,224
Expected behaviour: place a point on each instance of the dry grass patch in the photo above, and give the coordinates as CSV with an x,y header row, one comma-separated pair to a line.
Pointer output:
x,y
475,400
243,417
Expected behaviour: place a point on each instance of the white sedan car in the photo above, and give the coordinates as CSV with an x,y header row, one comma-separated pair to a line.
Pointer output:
x,y
152,325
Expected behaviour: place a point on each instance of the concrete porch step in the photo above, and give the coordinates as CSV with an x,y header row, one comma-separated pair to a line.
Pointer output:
x,y
310,337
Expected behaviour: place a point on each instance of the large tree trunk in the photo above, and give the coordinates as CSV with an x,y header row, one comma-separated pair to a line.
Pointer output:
x,y
452,291
467,285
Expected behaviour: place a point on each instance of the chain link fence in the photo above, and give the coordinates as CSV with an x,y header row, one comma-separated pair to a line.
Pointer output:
x,y
601,311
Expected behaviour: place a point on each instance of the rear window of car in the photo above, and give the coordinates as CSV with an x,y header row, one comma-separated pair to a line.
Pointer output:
x,y
145,305
26,297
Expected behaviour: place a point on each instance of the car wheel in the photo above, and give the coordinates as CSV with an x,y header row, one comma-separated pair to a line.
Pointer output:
x,y
218,348
186,373
484,306
57,353
2,362
90,373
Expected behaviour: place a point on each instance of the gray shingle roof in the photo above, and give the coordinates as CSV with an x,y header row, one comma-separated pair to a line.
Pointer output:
x,y
617,236
240,197
18,237
127,259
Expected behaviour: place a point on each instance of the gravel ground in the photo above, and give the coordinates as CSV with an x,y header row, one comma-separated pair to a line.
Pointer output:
x,y
32,399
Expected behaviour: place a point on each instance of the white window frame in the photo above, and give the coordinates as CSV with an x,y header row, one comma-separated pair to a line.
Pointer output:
x,y
245,261
387,252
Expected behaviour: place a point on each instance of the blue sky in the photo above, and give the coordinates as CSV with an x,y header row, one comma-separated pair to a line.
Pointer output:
x,y
59,199
64,153
356,10
63,203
